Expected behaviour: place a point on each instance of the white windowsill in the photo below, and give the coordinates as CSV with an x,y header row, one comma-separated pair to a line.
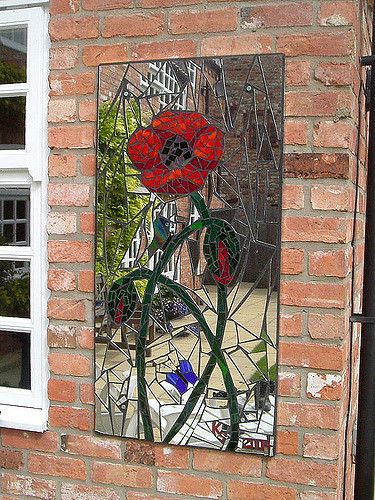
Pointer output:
x,y
19,3
26,419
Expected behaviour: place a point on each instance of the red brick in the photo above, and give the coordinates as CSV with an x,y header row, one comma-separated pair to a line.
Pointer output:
x,y
326,326
69,251
320,446
234,44
187,484
313,416
171,457
83,492
316,103
62,110
86,394
325,357
319,229
140,452
302,472
295,132
325,386
85,337
63,57
46,441
164,49
317,495
64,391
238,490
78,137
28,486
68,28
323,43
317,165
93,55
140,495
293,197
290,325
122,475
216,461
337,14
10,459
87,220
73,195
69,364
64,6
332,198
61,223
285,14
91,446
329,263
133,25
67,309
61,280
334,73
87,111
333,134
69,417
72,84
106,4
52,465
292,260
297,72
314,294
150,4
86,281
88,165
202,21
287,442
62,166
61,336
289,384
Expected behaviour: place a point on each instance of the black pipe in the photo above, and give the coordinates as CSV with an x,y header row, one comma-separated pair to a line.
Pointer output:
x,y
365,453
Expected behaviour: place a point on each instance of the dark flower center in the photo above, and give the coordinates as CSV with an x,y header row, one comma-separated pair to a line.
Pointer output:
x,y
176,152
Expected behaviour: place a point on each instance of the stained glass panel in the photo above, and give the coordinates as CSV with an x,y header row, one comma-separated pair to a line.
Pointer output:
x,y
188,250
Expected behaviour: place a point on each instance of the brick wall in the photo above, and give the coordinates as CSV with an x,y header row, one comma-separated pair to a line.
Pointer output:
x,y
323,40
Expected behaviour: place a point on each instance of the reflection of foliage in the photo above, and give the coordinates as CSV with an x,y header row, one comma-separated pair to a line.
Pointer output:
x,y
14,290
120,211
10,73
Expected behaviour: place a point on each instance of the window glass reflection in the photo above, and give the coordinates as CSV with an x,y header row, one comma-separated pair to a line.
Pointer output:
x,y
15,360
12,124
14,216
15,288
13,48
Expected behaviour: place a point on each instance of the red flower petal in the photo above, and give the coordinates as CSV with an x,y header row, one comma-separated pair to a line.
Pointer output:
x,y
184,180
181,123
209,146
143,148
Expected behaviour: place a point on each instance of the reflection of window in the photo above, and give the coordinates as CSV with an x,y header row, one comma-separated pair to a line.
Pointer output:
x,y
23,153
164,83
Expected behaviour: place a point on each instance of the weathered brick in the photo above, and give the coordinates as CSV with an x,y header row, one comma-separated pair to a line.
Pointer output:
x,y
295,132
313,416
202,21
164,49
10,459
64,391
332,198
290,325
28,486
87,110
314,294
239,490
68,28
302,472
334,73
63,57
171,457
64,6
62,166
69,251
106,4
87,220
320,446
69,364
329,263
62,110
72,84
151,4
61,280
318,103
317,165
293,197
326,326
86,394
322,356
85,337
83,492
324,386
140,452
287,442
297,72
52,465
319,229
121,475
213,461
234,44
62,336
317,495
93,55
86,281
67,309
91,446
283,14
331,134
133,25
292,260
323,43
61,223
47,441
88,165
289,384
186,484
69,417
337,13
78,137
73,195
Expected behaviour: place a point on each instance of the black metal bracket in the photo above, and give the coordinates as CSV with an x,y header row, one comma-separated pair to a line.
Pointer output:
x,y
367,60
361,318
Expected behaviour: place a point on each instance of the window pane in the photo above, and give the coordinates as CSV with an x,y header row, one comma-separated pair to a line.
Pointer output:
x,y
14,288
14,216
12,125
13,48
15,360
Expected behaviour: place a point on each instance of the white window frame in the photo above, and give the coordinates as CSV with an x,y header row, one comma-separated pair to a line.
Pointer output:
x,y
22,408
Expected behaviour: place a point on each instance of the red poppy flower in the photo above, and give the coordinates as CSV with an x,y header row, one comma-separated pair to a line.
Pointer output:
x,y
176,152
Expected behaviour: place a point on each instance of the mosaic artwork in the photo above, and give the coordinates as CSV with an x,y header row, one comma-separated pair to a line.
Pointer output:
x,y
187,251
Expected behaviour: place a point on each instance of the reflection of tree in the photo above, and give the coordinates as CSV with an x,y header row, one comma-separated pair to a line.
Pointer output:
x,y
14,290
119,207
12,109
